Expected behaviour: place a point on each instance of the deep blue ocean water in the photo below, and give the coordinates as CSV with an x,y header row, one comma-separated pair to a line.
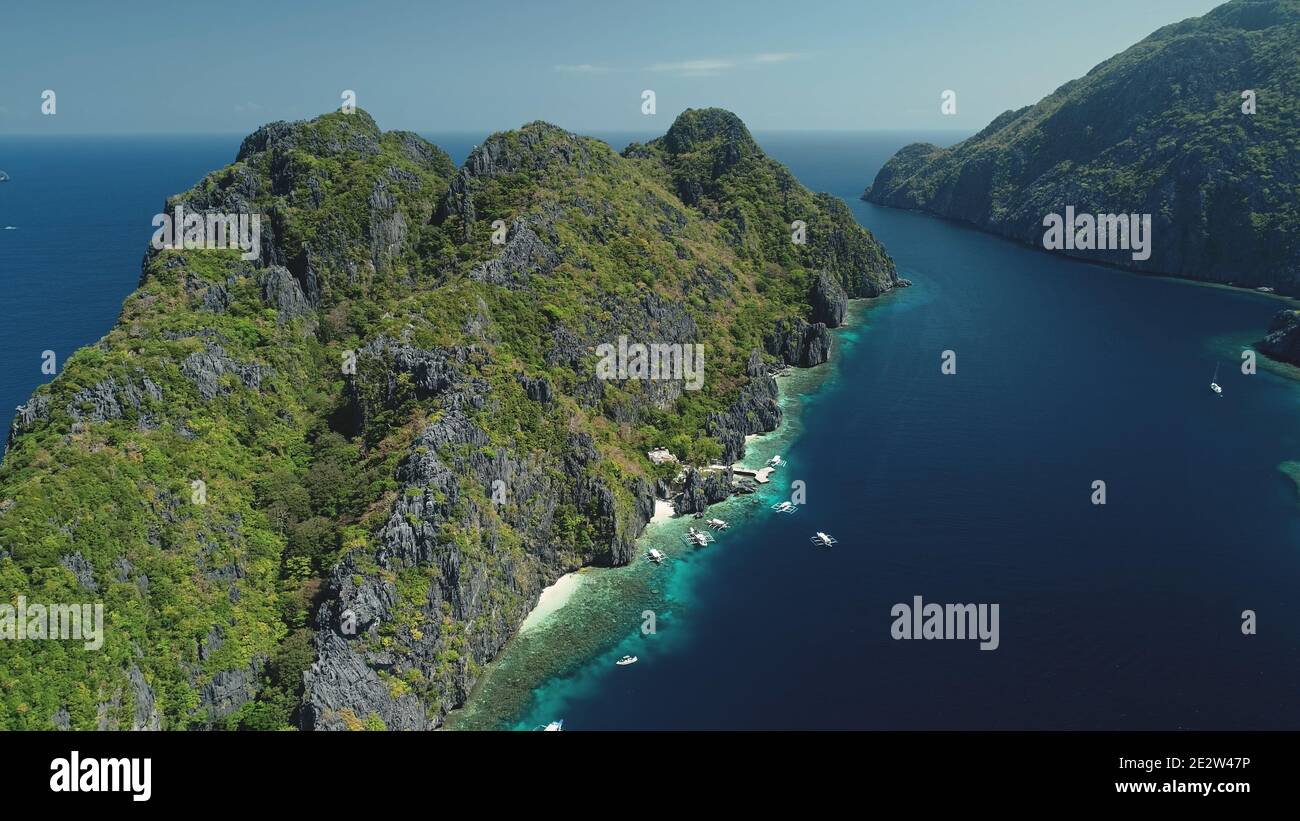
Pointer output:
x,y
973,487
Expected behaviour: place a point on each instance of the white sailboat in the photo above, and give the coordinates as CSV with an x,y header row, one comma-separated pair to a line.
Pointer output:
x,y
1214,383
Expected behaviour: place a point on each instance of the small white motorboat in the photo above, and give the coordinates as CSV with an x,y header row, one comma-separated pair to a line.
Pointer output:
x,y
655,556
626,660
823,539
785,507
1214,383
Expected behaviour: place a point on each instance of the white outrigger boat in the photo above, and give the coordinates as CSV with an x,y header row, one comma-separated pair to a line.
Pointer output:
x,y
553,727
626,660
1214,383
785,507
718,524
697,537
823,539
655,556
775,461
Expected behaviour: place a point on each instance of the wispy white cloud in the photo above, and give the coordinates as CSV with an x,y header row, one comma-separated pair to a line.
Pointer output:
x,y
694,68
702,67
707,67
776,56
583,68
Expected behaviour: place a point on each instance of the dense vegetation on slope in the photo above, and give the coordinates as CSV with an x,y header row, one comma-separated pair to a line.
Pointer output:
x,y
323,488
1157,129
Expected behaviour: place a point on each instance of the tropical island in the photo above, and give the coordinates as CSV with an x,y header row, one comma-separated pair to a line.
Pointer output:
x,y
321,489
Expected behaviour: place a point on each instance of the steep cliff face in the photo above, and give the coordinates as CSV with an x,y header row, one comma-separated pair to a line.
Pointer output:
x,y
1158,129
1282,342
322,488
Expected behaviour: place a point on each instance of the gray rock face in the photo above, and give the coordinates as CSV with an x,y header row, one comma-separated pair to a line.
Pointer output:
x,y
799,343
756,410
387,228
282,292
27,415
110,398
146,713
228,691
82,569
144,716
1282,342
206,368
524,255
701,489
828,300
538,388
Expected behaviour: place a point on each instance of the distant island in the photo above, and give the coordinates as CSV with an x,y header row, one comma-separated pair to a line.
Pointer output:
x,y
321,489
1195,125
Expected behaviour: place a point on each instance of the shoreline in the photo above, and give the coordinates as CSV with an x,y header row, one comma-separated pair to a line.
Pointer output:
x,y
551,600
1114,266
609,600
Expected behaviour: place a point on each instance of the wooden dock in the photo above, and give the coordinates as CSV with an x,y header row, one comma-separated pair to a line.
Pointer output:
x,y
762,475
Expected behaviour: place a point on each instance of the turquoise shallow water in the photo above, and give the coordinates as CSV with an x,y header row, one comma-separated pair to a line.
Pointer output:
x,y
976,488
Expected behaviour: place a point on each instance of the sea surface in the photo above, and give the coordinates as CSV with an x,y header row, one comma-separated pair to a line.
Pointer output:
x,y
974,487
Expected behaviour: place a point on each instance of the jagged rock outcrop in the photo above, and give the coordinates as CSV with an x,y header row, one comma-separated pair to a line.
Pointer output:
x,y
1282,342
82,569
828,301
799,343
524,254
206,368
755,410
702,488
26,415
282,292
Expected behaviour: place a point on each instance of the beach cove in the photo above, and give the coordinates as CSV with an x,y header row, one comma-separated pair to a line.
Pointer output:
x,y
583,624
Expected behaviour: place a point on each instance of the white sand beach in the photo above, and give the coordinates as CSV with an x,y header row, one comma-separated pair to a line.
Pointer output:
x,y
552,599
663,511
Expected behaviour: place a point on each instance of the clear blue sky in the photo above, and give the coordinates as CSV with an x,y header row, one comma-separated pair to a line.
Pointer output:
x,y
227,67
